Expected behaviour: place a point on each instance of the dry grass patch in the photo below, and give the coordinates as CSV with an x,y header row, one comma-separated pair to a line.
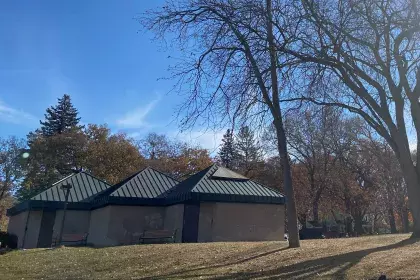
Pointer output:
x,y
352,258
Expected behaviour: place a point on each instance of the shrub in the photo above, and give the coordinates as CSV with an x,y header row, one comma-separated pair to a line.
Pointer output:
x,y
8,240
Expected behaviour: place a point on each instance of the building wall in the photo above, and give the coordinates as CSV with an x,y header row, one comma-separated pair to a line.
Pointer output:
x,y
17,226
174,220
46,231
205,222
32,233
98,227
77,221
240,222
127,223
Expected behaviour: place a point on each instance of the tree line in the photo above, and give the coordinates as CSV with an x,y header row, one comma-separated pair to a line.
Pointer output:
x,y
341,171
343,174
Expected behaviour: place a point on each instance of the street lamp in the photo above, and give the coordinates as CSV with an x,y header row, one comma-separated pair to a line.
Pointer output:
x,y
18,161
66,188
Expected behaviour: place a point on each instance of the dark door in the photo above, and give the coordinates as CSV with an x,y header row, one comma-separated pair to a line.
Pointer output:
x,y
190,228
46,229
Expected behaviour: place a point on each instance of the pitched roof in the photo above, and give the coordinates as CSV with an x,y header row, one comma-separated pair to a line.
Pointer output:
x,y
152,187
217,183
148,183
84,186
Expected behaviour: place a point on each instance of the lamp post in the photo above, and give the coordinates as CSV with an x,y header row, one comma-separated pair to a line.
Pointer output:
x,y
23,155
66,188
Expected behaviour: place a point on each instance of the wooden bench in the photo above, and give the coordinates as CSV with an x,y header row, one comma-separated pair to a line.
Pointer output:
x,y
73,238
158,235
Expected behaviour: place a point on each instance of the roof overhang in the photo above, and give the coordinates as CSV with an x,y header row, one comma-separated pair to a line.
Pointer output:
x,y
228,198
128,201
30,205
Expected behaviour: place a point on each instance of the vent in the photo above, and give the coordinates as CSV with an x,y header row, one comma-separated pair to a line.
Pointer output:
x,y
226,174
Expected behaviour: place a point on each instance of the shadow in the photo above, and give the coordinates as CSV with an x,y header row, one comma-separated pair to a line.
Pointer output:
x,y
334,267
4,251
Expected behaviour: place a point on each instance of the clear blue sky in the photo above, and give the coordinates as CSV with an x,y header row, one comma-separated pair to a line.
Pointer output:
x,y
96,52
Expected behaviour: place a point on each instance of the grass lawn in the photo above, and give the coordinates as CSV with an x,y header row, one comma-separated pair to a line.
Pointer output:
x,y
352,258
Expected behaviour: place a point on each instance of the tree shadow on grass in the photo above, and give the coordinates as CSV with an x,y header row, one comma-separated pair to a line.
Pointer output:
x,y
335,267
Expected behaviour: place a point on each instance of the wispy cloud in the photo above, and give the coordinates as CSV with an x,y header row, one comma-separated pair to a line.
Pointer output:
x,y
208,139
10,114
135,135
137,117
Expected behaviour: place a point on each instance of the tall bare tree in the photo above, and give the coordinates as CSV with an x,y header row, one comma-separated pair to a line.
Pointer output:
x,y
311,144
367,54
394,190
230,69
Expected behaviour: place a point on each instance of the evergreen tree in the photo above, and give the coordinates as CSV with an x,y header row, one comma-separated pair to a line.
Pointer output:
x,y
60,118
248,152
227,150
56,148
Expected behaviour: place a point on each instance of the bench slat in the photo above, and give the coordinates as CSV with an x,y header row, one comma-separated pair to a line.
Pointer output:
x,y
158,234
71,238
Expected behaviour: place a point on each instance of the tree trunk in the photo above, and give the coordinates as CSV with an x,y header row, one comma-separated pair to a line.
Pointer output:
x,y
281,137
292,224
358,224
302,220
404,219
349,225
413,188
315,210
315,206
391,218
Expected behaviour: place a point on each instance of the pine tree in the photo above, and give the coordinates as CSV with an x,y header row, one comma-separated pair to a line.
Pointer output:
x,y
248,152
227,150
60,118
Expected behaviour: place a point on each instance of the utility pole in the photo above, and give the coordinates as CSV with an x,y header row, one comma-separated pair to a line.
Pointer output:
x,y
66,188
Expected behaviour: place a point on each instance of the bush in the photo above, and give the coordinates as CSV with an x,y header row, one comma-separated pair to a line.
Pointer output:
x,y
8,240
311,233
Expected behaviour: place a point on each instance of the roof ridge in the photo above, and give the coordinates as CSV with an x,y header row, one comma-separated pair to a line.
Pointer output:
x,y
62,179
89,174
255,181
209,168
177,187
52,185
127,179
113,188
163,173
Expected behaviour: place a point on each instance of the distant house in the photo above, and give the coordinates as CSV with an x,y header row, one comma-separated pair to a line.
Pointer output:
x,y
215,204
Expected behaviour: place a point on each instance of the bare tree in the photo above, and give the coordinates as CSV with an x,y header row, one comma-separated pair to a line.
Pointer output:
x,y
230,69
311,144
394,190
367,53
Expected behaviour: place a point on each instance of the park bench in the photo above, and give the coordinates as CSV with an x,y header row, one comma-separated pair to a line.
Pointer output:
x,y
158,235
72,238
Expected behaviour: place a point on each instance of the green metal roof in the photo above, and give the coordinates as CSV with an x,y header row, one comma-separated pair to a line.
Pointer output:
x,y
84,186
217,183
152,187
147,183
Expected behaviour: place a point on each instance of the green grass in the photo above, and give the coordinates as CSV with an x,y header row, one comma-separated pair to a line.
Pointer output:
x,y
352,258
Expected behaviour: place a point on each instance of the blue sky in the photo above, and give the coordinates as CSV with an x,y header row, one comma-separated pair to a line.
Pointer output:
x,y
96,52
